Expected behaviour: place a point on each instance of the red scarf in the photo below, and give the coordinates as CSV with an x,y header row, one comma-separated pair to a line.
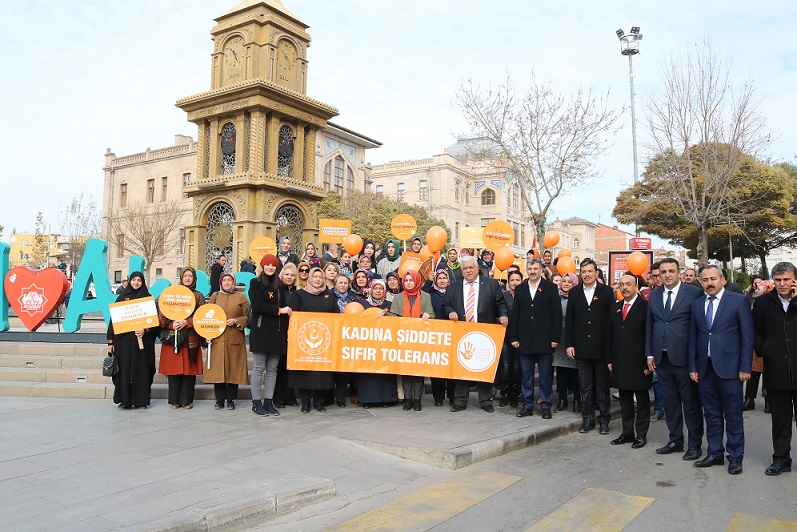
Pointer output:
x,y
414,310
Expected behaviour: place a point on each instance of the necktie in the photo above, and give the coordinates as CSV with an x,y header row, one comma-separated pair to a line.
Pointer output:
x,y
668,305
710,312
470,304
626,306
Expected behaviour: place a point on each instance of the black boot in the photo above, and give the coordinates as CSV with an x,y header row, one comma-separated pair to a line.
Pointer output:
x,y
416,405
748,404
268,404
407,404
767,409
219,405
576,405
561,405
585,426
257,408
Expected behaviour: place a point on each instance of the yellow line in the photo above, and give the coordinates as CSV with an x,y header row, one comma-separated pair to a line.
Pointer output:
x,y
432,505
594,510
753,523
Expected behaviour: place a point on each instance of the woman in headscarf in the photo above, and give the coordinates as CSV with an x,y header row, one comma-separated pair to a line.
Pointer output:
x,y
310,255
436,288
284,253
268,335
566,371
509,375
133,383
369,250
375,389
366,263
393,283
415,245
304,273
344,263
360,284
313,298
343,296
391,258
227,363
413,304
182,367
283,394
451,263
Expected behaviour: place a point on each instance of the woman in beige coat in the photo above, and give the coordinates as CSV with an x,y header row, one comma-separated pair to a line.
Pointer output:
x,y
228,365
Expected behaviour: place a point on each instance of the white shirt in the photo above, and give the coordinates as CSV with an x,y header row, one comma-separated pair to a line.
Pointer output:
x,y
630,303
784,303
533,288
465,291
674,291
713,311
589,293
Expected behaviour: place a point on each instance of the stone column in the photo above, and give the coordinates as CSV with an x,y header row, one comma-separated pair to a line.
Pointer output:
x,y
240,143
298,153
214,167
257,153
273,144
309,150
201,153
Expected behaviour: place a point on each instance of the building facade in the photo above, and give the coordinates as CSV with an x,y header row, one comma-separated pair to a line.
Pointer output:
x,y
577,235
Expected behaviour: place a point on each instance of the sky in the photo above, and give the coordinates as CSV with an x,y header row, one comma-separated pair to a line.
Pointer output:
x,y
86,75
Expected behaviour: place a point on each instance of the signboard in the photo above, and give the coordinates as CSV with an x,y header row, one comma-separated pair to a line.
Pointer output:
x,y
502,275
641,243
471,237
402,346
333,231
133,315
409,256
35,295
403,227
261,246
177,302
497,235
617,264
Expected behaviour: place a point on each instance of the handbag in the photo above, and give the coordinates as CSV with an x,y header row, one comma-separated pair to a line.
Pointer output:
x,y
110,367
166,336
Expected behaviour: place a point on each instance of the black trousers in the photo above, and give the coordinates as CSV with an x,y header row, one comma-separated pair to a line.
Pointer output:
x,y
593,376
751,388
181,389
783,404
342,386
567,379
440,387
225,391
682,404
462,393
283,394
639,421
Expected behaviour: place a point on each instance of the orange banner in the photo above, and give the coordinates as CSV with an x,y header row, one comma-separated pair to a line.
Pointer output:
x,y
401,346
333,231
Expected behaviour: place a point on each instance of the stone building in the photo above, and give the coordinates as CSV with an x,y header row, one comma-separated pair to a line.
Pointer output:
x,y
462,192
266,152
577,235
610,239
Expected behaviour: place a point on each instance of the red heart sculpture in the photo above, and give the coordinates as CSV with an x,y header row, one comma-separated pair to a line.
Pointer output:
x,y
35,295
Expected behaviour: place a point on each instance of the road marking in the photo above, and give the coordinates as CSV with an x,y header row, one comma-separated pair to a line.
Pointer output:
x,y
595,510
434,504
752,523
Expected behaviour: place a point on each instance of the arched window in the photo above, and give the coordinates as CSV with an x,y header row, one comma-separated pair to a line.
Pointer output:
x,y
228,149
339,165
488,197
285,152
328,176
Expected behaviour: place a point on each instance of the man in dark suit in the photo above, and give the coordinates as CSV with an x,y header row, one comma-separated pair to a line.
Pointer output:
x,y
720,361
474,299
775,322
586,320
535,328
667,348
625,357
215,273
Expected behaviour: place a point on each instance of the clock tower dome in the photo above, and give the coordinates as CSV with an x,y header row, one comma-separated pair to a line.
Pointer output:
x,y
257,130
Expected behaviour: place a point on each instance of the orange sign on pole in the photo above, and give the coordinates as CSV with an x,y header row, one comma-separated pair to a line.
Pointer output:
x,y
471,237
210,321
403,227
133,315
261,246
332,231
402,346
498,234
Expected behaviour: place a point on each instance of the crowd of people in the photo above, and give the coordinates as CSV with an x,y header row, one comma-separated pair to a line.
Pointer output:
x,y
689,335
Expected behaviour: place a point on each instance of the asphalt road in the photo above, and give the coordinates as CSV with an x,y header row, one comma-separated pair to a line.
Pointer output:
x,y
577,482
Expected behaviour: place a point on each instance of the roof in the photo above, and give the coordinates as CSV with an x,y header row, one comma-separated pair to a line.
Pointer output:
x,y
358,136
577,220
276,5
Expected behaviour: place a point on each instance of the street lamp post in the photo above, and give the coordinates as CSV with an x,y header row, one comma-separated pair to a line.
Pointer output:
x,y
629,45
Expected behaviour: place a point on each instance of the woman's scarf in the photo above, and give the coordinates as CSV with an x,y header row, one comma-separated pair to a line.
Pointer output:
x,y
396,250
360,291
400,284
371,299
310,289
301,283
342,299
439,272
314,260
452,265
373,246
283,256
412,299
133,293
574,278
223,275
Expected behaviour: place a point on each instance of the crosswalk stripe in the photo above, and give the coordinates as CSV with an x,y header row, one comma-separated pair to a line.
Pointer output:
x,y
434,504
752,523
596,510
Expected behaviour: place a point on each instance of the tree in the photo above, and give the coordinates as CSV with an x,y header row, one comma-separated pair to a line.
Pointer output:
x,y
699,106
147,231
546,140
38,255
78,222
371,214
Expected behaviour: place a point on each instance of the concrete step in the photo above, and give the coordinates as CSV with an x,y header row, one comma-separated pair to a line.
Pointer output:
x,y
52,349
75,362
74,390
77,376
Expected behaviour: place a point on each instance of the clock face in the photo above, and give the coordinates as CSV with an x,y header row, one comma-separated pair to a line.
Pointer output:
x,y
286,61
233,57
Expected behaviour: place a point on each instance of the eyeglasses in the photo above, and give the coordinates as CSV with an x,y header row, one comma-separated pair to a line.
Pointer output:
x,y
304,271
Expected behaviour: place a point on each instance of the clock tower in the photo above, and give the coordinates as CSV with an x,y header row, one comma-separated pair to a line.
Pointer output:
x,y
257,128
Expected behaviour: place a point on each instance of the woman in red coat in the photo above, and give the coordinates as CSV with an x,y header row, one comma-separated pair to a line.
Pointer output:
x,y
182,367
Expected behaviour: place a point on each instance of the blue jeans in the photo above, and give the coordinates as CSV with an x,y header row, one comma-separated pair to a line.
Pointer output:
x,y
544,361
658,395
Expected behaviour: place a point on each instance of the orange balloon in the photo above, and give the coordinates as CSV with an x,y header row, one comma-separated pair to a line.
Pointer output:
x,y
370,311
406,266
637,263
551,238
566,265
436,238
353,244
353,308
564,253
503,258
426,253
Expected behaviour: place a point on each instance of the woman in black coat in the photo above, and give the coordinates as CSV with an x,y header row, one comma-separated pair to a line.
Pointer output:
x,y
313,298
374,389
436,288
268,336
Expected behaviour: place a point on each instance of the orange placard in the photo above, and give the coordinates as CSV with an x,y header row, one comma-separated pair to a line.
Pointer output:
x,y
177,302
520,263
261,246
401,346
210,321
403,227
497,235
333,231
471,237
409,256
134,315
